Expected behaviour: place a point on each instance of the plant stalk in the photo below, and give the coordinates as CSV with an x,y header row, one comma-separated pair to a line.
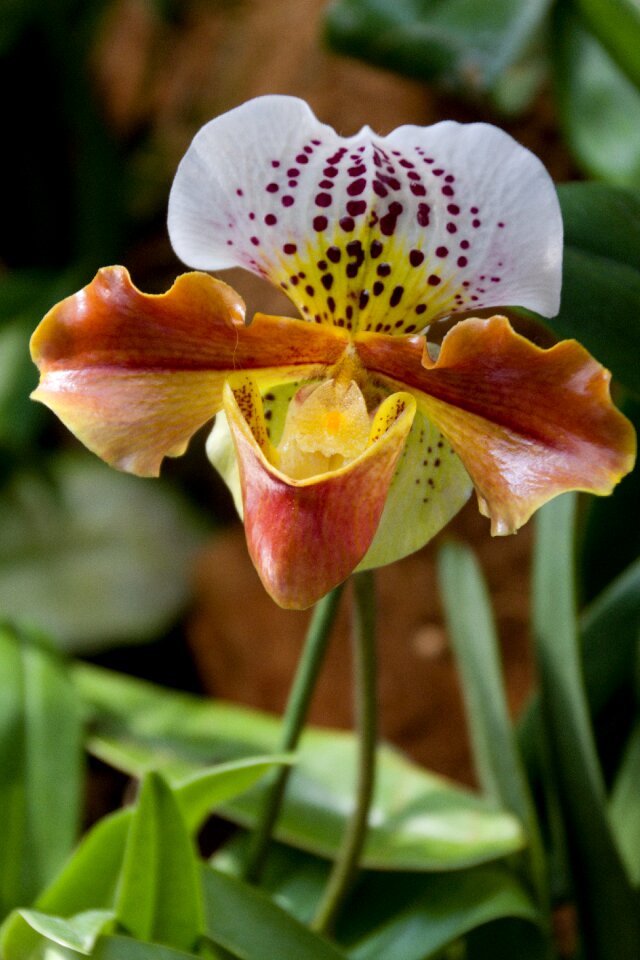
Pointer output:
x,y
345,867
294,718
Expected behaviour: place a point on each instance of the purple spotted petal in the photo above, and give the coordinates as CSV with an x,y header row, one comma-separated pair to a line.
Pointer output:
x,y
370,233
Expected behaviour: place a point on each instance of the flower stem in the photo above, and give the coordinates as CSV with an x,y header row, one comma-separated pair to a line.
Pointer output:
x,y
364,656
302,689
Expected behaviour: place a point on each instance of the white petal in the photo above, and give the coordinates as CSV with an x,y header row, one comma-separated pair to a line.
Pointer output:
x,y
370,232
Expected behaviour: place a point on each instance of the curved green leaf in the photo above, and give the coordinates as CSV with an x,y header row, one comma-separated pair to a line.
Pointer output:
x,y
243,920
96,557
461,43
624,808
125,948
418,821
79,933
599,106
616,24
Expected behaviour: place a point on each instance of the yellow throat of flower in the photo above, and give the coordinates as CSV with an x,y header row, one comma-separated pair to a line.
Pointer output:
x,y
327,426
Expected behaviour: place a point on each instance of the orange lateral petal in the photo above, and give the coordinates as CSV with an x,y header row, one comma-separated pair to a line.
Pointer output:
x,y
527,423
306,536
134,375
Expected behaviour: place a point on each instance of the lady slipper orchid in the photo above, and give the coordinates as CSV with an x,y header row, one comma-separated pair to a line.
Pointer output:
x,y
348,439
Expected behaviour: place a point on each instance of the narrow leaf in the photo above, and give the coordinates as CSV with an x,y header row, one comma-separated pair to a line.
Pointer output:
x,y
472,631
124,948
159,896
607,904
625,807
616,24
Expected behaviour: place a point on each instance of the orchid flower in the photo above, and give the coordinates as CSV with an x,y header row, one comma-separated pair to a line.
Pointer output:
x,y
348,438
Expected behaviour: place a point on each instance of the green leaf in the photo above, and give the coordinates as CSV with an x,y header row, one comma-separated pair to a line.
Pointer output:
x,y
624,807
472,631
607,904
461,43
418,822
599,106
79,933
124,948
601,275
243,920
97,558
616,24
159,896
416,921
41,760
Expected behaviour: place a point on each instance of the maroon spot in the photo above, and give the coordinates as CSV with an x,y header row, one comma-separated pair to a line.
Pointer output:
x,y
322,264
309,290
417,190
495,279
474,210
330,171
287,200
272,187
413,175
416,257
334,254
302,158
357,171
384,269
229,243
356,207
501,224
308,149
423,214
476,223
449,178
375,249
364,299
464,244
323,200
462,261
378,287
347,224
451,228
453,208
285,286
349,312
290,248
442,251
352,270
331,304
429,160
293,172
292,183
275,164
316,143
252,215
421,308
390,181
270,219
326,184
396,296
320,224
327,281
355,189
410,328
294,281
434,281
255,241
379,189
448,192
406,164
240,193
437,172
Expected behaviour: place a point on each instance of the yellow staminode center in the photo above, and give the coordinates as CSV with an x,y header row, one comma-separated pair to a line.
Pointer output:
x,y
327,426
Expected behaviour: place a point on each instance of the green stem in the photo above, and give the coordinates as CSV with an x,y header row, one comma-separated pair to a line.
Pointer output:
x,y
304,683
345,867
